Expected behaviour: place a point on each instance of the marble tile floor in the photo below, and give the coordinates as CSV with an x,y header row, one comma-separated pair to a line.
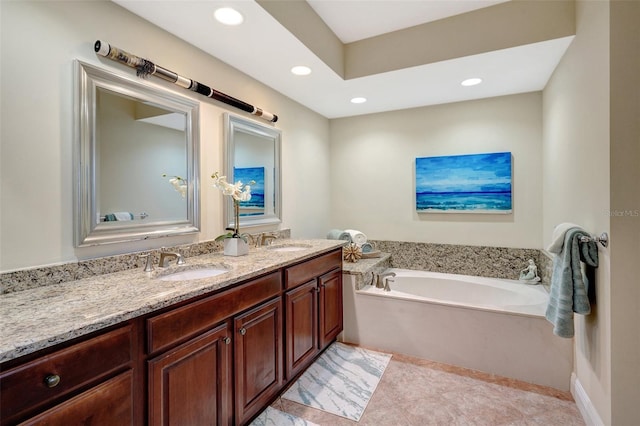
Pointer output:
x,y
415,392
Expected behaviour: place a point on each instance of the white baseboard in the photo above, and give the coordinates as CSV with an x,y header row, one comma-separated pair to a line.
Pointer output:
x,y
588,411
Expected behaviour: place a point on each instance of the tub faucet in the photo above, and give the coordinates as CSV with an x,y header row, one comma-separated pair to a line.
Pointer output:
x,y
383,280
164,255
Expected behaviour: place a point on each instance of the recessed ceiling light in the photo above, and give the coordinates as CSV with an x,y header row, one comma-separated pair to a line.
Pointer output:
x,y
471,81
301,70
228,16
358,100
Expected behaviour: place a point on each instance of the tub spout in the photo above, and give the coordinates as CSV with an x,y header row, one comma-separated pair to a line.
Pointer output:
x,y
383,280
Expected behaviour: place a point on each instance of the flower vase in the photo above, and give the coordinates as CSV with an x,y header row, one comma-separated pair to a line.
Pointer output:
x,y
235,247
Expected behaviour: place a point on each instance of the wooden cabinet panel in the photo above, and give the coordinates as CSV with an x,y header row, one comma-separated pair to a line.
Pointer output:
x,y
110,403
217,360
301,327
179,325
51,377
191,384
330,306
258,358
303,272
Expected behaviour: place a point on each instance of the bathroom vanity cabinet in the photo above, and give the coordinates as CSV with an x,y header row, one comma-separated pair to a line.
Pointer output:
x,y
193,382
313,301
88,382
215,359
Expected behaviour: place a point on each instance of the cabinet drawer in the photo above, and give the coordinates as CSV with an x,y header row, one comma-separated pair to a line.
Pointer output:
x,y
109,403
181,324
34,383
303,272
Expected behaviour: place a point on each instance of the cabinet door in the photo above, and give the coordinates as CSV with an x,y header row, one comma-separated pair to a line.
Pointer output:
x,y
330,306
191,384
301,327
258,358
109,403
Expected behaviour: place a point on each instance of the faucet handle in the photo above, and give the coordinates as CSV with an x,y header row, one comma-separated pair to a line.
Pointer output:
x,y
267,239
148,267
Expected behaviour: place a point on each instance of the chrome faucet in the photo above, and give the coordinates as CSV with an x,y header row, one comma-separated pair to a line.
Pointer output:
x,y
165,255
265,239
148,267
383,280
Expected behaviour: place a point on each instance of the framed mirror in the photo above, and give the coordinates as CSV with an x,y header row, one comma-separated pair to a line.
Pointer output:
x,y
253,154
136,156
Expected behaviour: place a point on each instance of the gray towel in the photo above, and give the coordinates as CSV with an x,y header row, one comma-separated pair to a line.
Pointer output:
x,y
569,286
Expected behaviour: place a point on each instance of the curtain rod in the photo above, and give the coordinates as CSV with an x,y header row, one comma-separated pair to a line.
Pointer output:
x,y
144,67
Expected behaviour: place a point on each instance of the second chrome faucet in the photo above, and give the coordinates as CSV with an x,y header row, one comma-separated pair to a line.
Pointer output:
x,y
166,255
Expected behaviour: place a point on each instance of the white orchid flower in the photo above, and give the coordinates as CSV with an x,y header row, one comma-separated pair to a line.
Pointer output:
x,y
182,189
238,191
179,184
246,194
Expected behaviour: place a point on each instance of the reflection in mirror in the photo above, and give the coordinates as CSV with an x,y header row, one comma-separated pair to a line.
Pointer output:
x,y
253,154
132,139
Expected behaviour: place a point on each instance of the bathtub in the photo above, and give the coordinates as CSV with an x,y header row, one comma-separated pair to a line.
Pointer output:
x,y
486,324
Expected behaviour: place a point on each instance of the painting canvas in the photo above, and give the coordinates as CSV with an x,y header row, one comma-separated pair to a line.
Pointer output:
x,y
476,183
255,205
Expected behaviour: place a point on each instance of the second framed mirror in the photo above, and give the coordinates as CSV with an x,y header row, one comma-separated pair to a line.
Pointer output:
x,y
253,154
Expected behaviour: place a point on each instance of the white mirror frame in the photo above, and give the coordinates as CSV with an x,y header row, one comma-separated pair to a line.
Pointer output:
x,y
233,125
87,230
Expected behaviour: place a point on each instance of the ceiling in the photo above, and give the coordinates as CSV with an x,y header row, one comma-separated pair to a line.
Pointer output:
x,y
373,17
263,48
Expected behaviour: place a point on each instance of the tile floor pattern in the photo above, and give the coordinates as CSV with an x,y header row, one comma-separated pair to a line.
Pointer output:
x,y
416,392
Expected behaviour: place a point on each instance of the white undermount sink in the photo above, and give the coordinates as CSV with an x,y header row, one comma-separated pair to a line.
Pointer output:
x,y
193,274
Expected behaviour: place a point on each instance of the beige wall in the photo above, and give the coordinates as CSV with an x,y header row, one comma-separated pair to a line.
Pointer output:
x,y
40,40
576,180
625,203
373,170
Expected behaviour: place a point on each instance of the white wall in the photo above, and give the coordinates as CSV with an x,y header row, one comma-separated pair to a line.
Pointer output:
x,y
40,40
576,179
373,170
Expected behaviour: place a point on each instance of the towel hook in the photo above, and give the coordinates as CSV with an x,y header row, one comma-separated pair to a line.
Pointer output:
x,y
602,239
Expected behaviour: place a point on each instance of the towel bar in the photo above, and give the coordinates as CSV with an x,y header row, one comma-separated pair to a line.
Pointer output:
x,y
602,239
137,216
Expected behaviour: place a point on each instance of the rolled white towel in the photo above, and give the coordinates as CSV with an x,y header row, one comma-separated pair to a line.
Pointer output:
x,y
557,239
123,216
338,234
356,236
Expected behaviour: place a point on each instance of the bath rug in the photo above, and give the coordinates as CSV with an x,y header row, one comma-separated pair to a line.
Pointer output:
x,y
272,417
341,381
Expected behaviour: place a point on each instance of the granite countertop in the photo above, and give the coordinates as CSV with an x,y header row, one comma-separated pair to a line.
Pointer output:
x,y
41,317
366,265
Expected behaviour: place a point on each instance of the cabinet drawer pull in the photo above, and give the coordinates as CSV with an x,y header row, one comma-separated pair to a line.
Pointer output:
x,y
227,340
52,380
243,331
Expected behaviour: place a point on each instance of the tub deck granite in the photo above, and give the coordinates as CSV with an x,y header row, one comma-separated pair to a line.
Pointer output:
x,y
41,317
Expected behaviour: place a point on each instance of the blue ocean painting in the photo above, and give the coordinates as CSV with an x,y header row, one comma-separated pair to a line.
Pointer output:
x,y
255,206
476,183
